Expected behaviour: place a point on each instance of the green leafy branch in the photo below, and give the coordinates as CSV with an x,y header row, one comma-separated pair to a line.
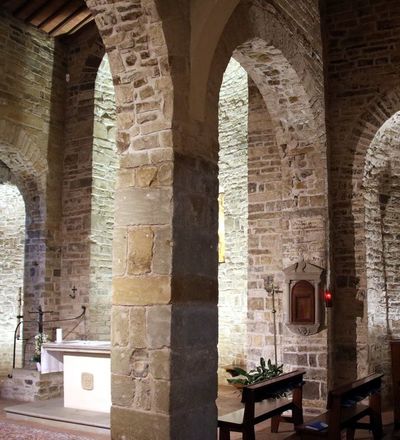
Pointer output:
x,y
264,371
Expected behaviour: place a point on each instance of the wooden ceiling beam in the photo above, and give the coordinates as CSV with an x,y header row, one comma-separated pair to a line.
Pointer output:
x,y
62,15
81,25
55,17
73,21
49,9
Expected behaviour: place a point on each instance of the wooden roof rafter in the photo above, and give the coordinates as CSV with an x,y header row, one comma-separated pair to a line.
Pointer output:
x,y
55,17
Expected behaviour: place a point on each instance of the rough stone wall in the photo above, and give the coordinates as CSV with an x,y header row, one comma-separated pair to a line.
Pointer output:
x,y
151,392
12,239
31,132
104,166
270,252
362,64
291,83
382,215
265,230
85,52
30,385
232,273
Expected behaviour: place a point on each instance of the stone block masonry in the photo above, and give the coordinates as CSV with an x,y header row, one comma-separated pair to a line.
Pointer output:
x,y
362,62
232,273
12,239
104,172
265,229
32,81
30,385
86,154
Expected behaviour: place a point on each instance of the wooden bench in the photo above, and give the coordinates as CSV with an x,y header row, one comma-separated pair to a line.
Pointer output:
x,y
345,411
395,349
260,403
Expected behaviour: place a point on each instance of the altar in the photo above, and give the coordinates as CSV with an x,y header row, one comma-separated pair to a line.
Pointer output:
x,y
87,372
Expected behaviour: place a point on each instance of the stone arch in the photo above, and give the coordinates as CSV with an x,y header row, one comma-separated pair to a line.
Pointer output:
x,y
259,37
22,156
349,218
349,249
210,17
278,66
381,191
104,162
273,24
12,226
84,58
134,38
289,109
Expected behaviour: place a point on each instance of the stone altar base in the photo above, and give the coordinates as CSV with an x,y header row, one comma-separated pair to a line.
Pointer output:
x,y
30,385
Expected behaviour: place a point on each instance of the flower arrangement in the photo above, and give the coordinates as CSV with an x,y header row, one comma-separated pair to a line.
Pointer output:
x,y
40,339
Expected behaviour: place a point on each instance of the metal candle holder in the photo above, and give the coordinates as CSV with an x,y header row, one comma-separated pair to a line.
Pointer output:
x,y
270,289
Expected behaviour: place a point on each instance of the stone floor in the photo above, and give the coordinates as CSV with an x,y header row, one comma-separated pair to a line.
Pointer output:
x,y
55,414
228,400
28,430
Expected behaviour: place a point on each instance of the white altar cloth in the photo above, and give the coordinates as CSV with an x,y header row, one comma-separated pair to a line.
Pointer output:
x,y
51,361
87,372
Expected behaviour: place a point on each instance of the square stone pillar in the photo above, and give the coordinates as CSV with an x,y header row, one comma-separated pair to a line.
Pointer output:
x,y
164,322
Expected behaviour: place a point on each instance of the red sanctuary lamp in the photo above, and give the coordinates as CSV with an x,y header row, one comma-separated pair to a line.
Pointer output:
x,y
328,298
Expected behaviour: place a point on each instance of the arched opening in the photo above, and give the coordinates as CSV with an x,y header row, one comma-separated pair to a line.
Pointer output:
x,y
12,246
104,169
286,212
233,219
268,172
381,185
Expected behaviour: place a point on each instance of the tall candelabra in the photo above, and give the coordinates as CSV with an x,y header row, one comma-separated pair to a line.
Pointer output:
x,y
271,290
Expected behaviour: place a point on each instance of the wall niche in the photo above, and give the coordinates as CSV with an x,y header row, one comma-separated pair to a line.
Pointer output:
x,y
303,298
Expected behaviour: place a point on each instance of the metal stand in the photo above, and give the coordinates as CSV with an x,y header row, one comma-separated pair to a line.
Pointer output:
x,y
270,288
41,324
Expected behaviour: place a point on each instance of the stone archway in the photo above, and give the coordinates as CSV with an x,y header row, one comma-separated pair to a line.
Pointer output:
x,y
104,166
381,185
146,379
350,253
19,152
12,239
294,105
169,312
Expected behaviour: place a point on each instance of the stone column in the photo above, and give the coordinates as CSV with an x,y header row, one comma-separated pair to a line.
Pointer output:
x,y
194,329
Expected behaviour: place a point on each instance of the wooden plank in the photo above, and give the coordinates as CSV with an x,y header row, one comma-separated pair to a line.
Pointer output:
x,y
49,9
61,16
395,349
29,8
81,25
72,22
357,384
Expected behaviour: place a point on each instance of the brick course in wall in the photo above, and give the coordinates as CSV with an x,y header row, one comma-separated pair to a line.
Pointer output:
x,y
85,53
362,86
265,230
31,132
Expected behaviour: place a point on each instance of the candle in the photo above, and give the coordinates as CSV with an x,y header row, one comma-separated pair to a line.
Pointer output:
x,y
59,335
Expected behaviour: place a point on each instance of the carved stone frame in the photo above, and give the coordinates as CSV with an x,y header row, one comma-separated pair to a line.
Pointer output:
x,y
306,271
